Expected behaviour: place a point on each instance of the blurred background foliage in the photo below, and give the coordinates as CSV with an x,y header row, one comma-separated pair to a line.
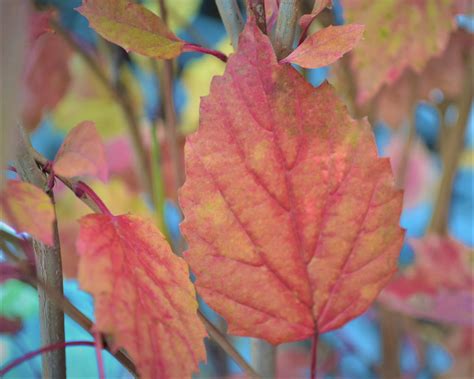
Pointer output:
x,y
426,348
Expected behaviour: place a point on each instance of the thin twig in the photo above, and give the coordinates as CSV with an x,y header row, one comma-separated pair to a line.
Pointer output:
x,y
451,153
48,268
285,28
222,341
232,19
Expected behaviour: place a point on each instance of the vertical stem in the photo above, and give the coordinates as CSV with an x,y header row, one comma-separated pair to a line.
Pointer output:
x,y
314,355
232,19
400,175
285,28
390,330
49,271
258,9
263,358
166,79
451,154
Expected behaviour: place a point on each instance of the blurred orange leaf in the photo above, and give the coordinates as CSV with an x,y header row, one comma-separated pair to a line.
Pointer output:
x,y
28,209
143,294
290,217
82,153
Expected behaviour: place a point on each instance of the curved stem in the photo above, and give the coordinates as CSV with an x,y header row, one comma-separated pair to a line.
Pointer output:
x,y
45,349
98,353
81,189
200,49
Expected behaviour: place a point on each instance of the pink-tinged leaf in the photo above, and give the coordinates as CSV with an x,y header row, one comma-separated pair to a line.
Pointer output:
x,y
290,216
439,282
132,26
326,46
399,35
82,153
143,294
10,325
39,23
421,171
46,77
28,209
318,7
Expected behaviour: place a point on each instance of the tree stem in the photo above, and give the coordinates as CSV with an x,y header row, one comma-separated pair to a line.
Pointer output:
x,y
232,19
48,268
285,28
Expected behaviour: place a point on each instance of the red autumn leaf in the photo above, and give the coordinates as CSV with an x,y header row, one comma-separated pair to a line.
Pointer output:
x,y
318,7
439,281
28,209
290,217
82,153
46,76
399,34
132,26
143,295
326,46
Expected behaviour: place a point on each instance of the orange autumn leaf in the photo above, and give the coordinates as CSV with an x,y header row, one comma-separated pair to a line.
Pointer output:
x,y
28,209
132,26
82,153
143,294
290,216
400,35
326,46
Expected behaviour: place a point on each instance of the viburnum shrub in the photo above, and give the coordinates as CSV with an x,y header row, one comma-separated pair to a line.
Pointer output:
x,y
291,218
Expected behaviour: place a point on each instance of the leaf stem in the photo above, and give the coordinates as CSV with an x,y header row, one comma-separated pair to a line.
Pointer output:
x,y
285,28
81,189
43,350
232,19
314,355
98,353
200,49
